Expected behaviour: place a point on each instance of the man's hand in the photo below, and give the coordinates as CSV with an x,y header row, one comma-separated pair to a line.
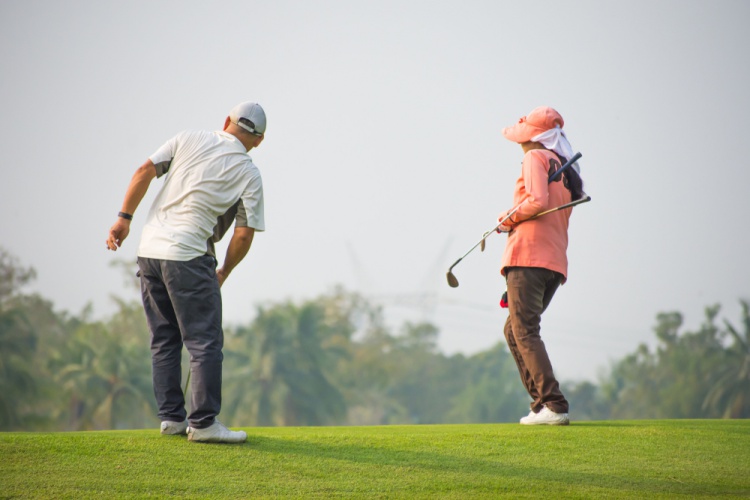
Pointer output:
x,y
221,275
133,196
117,234
236,251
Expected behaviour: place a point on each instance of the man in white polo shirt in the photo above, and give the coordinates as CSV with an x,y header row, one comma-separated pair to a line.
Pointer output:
x,y
209,181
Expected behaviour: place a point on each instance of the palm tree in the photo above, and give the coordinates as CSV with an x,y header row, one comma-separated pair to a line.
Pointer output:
x,y
18,386
493,392
368,374
106,379
12,276
281,365
685,367
730,390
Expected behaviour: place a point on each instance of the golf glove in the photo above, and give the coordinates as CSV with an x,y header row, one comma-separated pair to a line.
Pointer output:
x,y
507,226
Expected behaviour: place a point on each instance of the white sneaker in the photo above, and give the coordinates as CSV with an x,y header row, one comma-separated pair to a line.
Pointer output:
x,y
545,417
525,420
174,428
216,433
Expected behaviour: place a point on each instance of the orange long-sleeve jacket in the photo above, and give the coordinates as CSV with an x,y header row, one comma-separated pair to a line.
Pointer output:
x,y
541,242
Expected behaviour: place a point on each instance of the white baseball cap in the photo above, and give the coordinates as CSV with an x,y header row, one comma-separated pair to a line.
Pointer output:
x,y
250,116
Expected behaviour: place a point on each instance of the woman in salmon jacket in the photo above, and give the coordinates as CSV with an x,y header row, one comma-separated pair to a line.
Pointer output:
x,y
535,263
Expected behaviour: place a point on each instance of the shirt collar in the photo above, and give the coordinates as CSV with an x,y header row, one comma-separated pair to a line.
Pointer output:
x,y
233,140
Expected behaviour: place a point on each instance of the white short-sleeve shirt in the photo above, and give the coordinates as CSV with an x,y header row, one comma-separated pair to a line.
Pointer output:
x,y
207,176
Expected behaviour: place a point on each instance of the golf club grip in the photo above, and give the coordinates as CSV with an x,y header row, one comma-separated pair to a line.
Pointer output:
x,y
568,163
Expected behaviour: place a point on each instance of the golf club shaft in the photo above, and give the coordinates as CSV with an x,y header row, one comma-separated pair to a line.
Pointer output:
x,y
552,177
452,279
536,216
562,207
510,214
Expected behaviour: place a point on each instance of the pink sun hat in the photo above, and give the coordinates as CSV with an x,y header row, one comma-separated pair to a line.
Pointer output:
x,y
539,120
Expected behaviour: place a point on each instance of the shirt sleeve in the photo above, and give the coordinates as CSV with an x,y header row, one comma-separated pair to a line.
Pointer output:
x,y
162,158
250,209
536,192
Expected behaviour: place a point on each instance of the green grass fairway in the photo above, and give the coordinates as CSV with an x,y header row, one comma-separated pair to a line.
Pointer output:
x,y
635,459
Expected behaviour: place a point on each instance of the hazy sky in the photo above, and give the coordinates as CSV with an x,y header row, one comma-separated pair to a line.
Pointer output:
x,y
383,160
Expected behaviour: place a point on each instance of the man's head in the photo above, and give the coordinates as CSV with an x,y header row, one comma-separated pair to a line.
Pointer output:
x,y
247,122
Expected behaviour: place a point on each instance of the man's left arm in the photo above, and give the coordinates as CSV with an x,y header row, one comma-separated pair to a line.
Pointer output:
x,y
239,245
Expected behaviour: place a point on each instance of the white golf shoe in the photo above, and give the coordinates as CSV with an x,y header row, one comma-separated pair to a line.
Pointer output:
x,y
174,428
526,419
216,433
545,417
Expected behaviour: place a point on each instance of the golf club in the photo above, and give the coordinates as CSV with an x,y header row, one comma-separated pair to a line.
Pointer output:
x,y
453,281
584,199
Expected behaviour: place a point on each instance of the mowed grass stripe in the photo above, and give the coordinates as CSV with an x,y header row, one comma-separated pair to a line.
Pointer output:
x,y
635,459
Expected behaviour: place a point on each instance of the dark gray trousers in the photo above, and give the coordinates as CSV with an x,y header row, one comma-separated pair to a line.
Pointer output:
x,y
182,302
530,290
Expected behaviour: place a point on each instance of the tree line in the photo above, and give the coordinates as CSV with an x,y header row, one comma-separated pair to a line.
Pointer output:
x,y
331,360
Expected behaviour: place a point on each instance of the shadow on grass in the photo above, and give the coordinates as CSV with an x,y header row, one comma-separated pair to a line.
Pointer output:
x,y
453,463
601,423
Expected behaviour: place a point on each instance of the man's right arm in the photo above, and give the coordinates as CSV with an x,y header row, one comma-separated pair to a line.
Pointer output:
x,y
238,247
133,196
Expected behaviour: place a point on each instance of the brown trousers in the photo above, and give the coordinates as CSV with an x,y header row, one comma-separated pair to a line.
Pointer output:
x,y
530,290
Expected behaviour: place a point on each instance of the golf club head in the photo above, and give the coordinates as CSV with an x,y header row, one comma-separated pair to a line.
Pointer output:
x,y
452,281
484,238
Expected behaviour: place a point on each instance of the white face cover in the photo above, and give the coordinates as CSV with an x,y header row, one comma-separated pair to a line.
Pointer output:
x,y
556,140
